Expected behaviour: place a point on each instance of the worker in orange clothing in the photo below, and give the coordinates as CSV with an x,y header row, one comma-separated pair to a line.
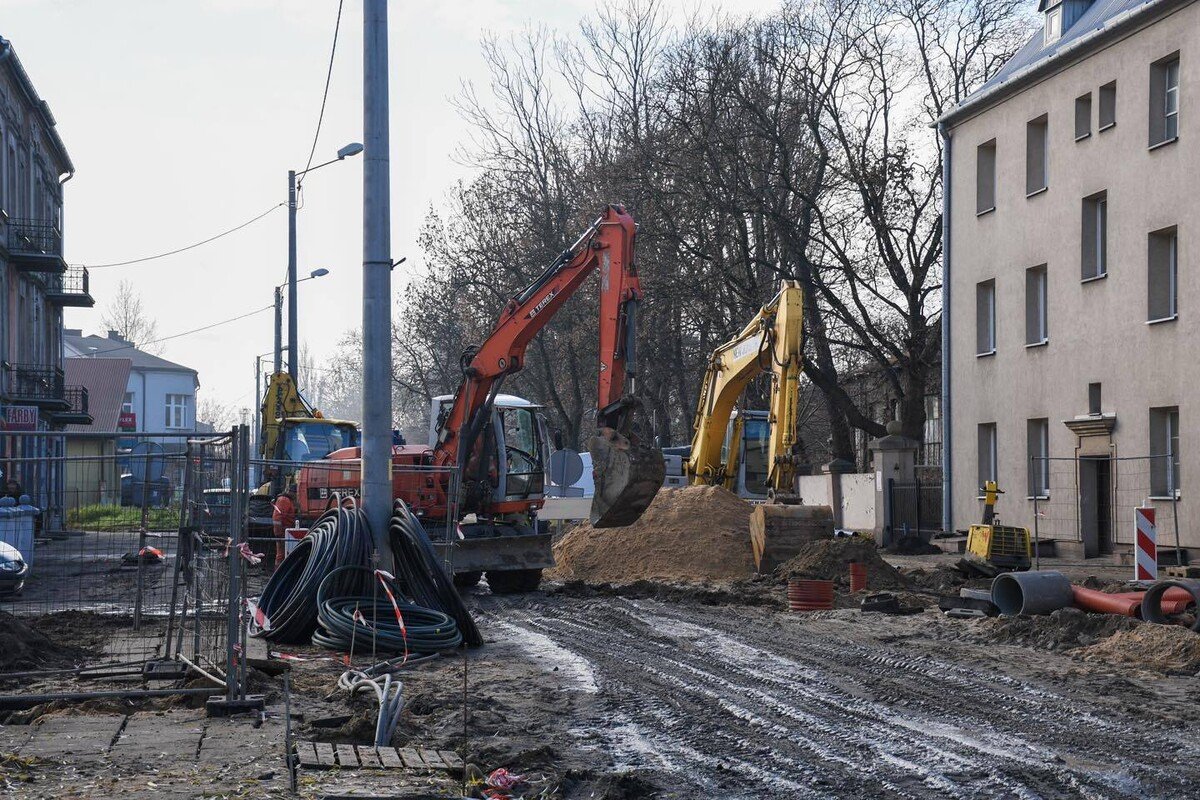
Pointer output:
x,y
283,516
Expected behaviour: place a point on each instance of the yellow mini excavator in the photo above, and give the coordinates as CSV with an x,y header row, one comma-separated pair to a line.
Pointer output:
x,y
772,343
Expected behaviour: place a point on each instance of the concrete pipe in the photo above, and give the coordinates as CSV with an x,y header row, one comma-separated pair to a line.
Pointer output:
x,y
1154,609
1031,592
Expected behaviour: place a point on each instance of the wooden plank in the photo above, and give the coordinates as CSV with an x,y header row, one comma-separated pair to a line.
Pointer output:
x,y
307,754
325,754
451,759
368,758
411,758
390,758
432,758
347,758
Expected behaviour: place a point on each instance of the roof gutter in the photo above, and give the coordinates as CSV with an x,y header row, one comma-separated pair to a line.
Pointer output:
x,y
1113,29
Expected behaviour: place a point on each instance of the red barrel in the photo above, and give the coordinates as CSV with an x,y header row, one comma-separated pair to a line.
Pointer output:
x,y
806,595
858,577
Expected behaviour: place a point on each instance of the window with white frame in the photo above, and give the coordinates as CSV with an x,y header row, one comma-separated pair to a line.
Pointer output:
x,y
1037,438
1164,100
1164,449
1094,237
1036,323
985,318
177,410
987,454
1162,276
127,406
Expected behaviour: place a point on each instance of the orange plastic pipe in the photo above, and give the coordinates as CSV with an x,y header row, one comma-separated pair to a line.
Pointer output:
x,y
1128,604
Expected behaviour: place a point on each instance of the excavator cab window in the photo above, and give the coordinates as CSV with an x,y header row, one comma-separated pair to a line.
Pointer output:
x,y
314,440
523,463
756,437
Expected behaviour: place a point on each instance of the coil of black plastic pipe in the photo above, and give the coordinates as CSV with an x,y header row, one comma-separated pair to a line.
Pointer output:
x,y
341,537
377,629
420,573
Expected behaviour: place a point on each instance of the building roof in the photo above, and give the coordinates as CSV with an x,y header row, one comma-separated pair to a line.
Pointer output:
x,y
1103,19
113,346
106,380
8,57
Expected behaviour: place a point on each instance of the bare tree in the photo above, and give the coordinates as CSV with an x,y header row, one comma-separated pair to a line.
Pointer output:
x,y
212,411
127,315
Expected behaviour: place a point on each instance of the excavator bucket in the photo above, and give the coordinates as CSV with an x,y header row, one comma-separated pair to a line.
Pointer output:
x,y
627,476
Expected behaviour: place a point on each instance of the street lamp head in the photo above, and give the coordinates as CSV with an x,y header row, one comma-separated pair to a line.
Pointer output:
x,y
352,149
317,273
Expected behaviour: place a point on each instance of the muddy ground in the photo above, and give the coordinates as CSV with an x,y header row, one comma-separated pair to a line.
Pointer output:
x,y
668,691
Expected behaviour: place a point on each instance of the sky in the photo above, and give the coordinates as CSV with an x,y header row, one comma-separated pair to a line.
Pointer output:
x,y
183,118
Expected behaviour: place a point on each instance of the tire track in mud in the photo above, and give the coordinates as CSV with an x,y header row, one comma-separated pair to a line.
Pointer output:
x,y
719,699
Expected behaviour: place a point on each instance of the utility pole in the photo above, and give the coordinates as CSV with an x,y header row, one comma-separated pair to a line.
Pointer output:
x,y
292,346
377,282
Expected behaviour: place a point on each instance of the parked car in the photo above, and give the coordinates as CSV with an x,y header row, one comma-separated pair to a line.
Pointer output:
x,y
159,491
13,570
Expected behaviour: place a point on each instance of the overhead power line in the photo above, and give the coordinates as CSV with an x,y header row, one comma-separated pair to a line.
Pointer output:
x,y
188,247
337,26
184,333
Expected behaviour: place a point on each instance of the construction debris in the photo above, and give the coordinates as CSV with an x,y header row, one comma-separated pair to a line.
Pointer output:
x,y
830,560
696,533
24,647
1172,649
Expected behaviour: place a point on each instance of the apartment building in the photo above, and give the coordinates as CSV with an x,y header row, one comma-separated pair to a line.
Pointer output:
x,y
1072,282
35,285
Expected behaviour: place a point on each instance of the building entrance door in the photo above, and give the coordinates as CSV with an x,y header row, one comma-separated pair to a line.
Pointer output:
x,y
1095,505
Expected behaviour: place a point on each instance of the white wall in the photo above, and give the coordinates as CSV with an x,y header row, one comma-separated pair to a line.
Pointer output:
x,y
858,498
150,390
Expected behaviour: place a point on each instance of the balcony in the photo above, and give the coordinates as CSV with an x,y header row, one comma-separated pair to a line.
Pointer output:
x,y
37,384
35,245
77,414
70,288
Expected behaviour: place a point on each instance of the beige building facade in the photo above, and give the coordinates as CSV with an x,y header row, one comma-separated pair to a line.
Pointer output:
x,y
1073,279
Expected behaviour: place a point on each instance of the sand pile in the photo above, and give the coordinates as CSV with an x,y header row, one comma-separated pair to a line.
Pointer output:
x,y
1065,629
24,648
1162,648
695,533
830,560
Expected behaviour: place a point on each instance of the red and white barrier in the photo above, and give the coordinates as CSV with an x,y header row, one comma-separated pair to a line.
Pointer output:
x,y
1145,547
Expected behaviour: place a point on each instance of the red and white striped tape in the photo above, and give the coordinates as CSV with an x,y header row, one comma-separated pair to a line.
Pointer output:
x,y
1145,548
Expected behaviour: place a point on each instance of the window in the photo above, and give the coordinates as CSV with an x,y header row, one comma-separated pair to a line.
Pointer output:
x,y
177,407
987,454
1083,116
1164,443
1164,100
1037,154
1108,105
127,406
1053,24
1094,255
1037,447
1036,330
985,177
1094,397
985,318
1162,276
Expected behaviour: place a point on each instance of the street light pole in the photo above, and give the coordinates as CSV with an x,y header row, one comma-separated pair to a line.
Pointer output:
x,y
377,283
292,333
278,329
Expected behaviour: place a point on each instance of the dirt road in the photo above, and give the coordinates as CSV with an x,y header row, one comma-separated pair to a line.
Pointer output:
x,y
750,702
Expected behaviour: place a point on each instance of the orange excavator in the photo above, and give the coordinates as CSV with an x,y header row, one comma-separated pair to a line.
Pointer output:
x,y
484,469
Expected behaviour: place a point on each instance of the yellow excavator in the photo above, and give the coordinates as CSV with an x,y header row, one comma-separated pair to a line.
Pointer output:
x,y
294,432
773,344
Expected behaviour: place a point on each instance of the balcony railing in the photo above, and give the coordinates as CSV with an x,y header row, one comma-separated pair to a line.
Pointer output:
x,y
71,288
35,383
35,245
77,412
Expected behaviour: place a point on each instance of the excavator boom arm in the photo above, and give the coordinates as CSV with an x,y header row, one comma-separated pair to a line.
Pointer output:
x,y
607,245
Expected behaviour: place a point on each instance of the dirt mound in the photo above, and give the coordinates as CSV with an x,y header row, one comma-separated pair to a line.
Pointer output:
x,y
830,560
23,648
1162,648
1065,629
691,534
